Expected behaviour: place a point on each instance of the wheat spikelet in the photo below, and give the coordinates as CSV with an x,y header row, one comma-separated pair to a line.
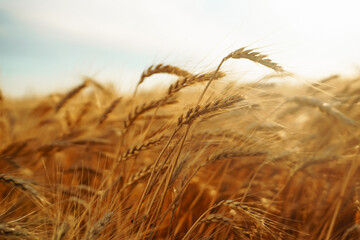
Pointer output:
x,y
99,226
255,57
109,110
70,95
23,185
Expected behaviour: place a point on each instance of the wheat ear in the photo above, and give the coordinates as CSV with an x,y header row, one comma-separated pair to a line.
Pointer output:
x,y
133,151
23,185
144,173
233,153
255,57
99,226
221,219
182,83
160,68
199,110
247,54
192,79
10,232
70,95
109,110
144,108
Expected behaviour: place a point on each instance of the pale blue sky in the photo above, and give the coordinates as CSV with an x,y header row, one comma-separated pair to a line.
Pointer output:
x,y
47,45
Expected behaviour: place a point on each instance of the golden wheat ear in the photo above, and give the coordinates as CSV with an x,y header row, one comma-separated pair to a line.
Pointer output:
x,y
109,110
160,68
70,95
248,54
255,57
22,185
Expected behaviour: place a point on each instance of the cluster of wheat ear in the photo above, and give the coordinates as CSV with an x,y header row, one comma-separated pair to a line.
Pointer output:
x,y
204,159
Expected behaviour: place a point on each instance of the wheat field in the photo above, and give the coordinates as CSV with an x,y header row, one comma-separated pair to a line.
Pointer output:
x,y
206,158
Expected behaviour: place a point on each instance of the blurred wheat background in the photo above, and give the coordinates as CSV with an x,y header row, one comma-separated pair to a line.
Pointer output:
x,y
196,150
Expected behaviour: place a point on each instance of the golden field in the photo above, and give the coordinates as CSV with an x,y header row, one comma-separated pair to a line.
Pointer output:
x,y
206,158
